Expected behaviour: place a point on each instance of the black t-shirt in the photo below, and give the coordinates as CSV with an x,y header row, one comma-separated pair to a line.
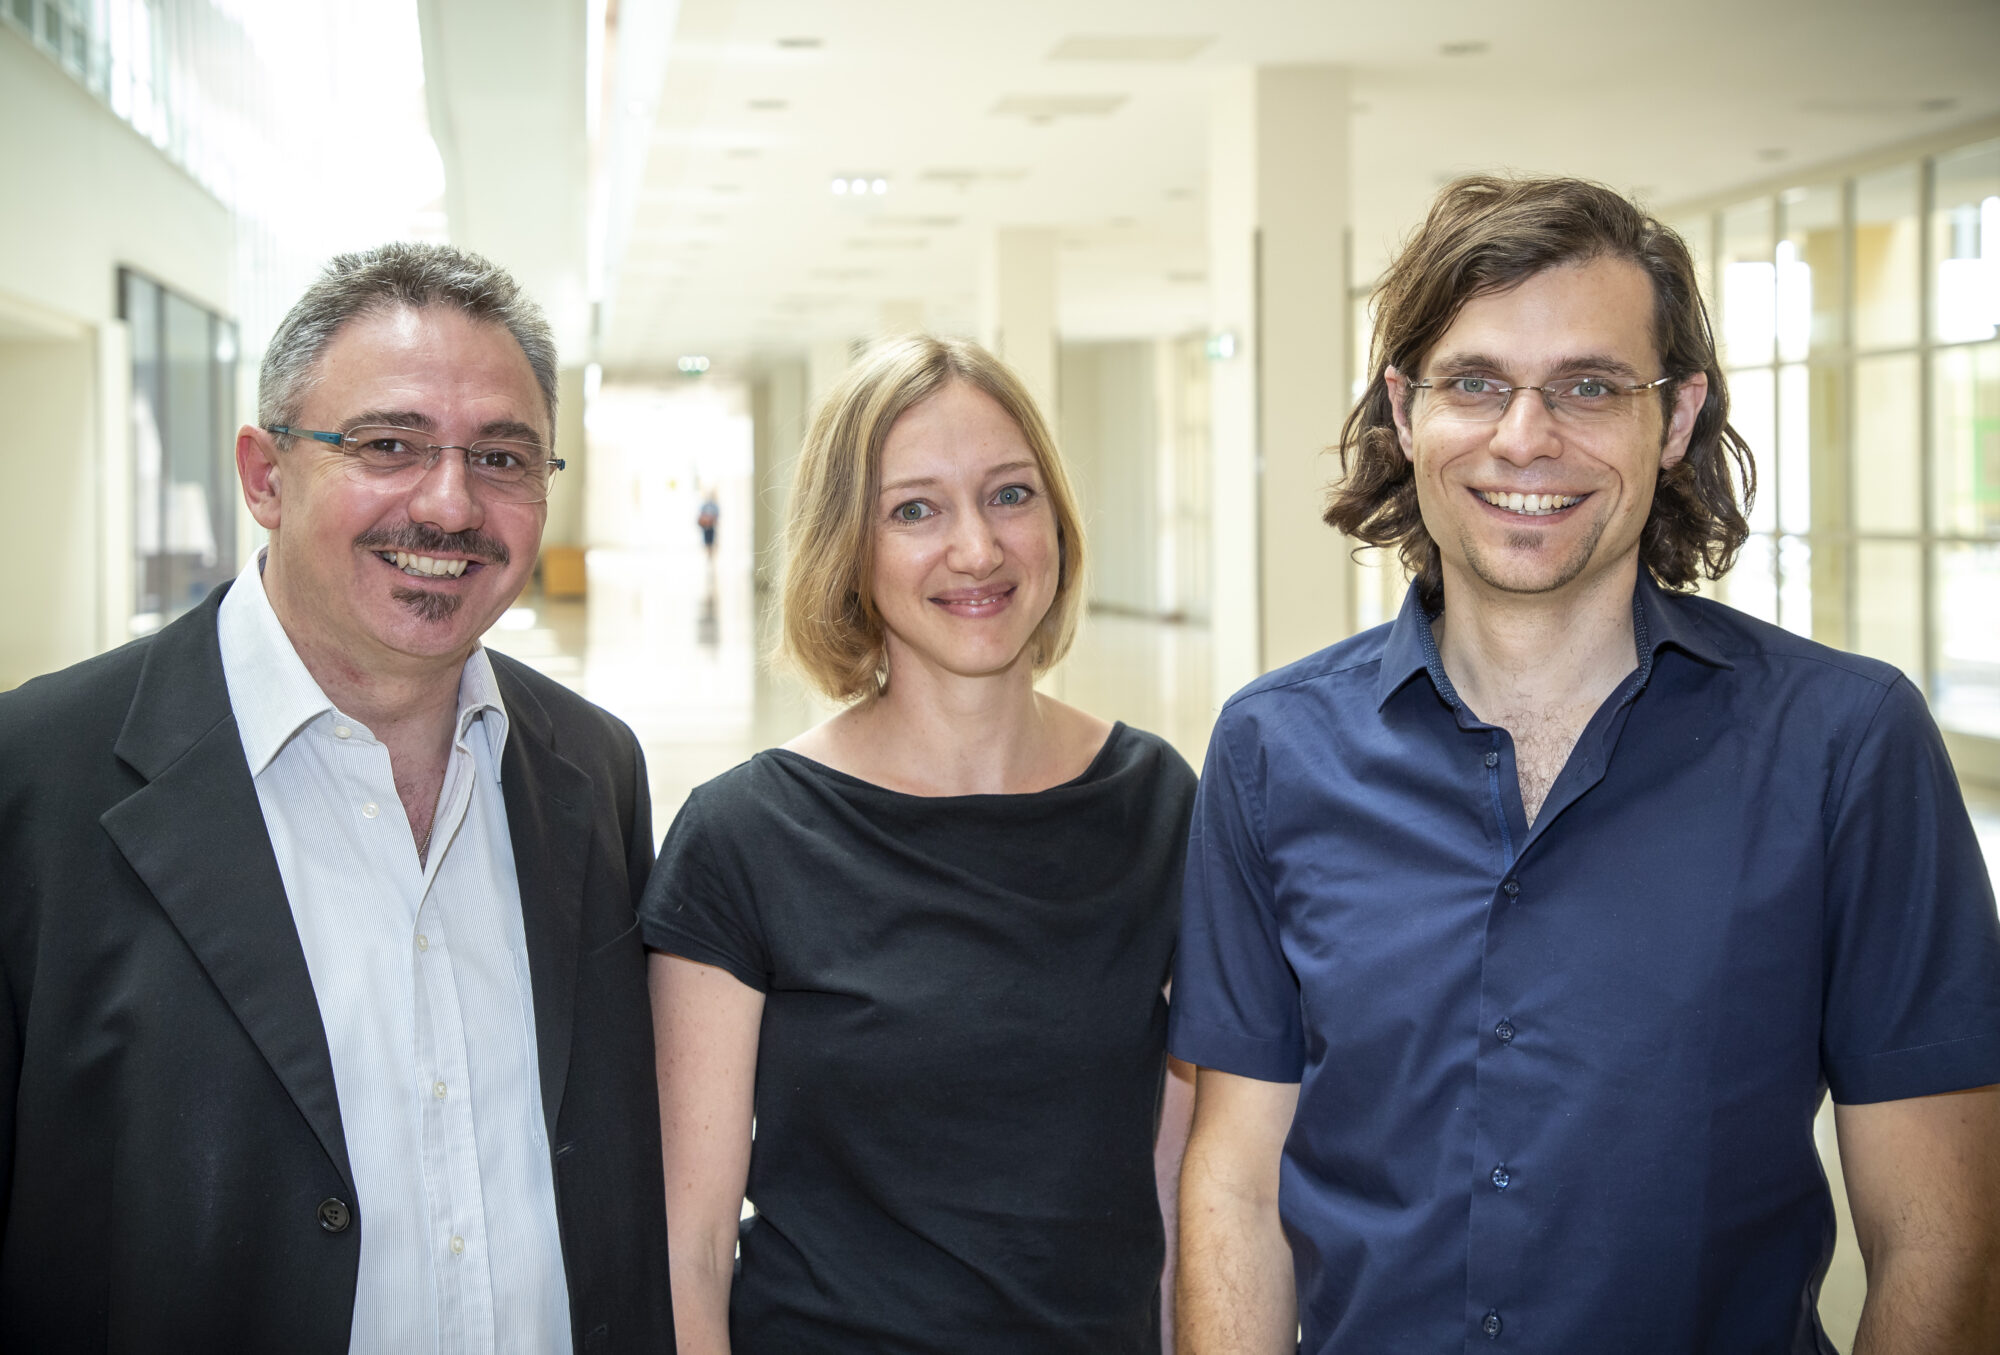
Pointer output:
x,y
959,1070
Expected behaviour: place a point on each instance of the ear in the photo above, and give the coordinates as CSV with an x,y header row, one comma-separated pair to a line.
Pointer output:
x,y
257,467
1689,397
1399,399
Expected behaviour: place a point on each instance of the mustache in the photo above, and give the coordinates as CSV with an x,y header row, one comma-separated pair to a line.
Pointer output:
x,y
417,539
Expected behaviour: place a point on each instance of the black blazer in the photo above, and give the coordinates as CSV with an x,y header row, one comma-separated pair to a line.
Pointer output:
x,y
173,1176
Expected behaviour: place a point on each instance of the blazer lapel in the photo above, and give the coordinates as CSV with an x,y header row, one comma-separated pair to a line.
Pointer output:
x,y
195,835
548,816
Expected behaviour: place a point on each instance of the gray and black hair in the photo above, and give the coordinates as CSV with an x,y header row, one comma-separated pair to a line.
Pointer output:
x,y
379,279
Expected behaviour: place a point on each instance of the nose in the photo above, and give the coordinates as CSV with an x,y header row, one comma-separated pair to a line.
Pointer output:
x,y
974,548
444,496
1526,430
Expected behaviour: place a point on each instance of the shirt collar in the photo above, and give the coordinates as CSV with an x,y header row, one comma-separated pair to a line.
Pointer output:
x,y
1659,619
273,695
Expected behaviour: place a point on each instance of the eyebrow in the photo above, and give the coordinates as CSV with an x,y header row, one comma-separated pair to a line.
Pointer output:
x,y
925,481
510,429
1600,364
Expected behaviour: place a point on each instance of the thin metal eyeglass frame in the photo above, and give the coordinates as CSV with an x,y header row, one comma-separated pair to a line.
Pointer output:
x,y
436,450
1549,393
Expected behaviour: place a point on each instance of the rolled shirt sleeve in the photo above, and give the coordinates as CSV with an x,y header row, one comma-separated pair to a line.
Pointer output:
x,y
1912,1005
1235,995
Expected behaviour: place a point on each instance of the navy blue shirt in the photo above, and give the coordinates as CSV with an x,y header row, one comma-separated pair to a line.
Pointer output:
x,y
1558,1082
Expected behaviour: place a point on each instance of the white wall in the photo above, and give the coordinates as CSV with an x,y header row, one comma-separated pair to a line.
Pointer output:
x,y
48,516
83,195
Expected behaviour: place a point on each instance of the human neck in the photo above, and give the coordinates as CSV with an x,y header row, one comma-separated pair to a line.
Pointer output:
x,y
945,734
405,702
1507,652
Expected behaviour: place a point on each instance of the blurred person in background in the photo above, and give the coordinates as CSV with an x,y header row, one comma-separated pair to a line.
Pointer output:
x,y
923,947
1525,935
323,1018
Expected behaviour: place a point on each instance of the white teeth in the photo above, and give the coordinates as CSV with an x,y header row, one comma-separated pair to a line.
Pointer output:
x,y
426,566
1531,505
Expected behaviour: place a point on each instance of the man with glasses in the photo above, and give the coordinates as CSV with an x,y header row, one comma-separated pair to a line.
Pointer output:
x,y
1525,934
324,1023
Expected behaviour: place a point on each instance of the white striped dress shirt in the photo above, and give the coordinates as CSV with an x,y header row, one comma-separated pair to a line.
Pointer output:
x,y
420,970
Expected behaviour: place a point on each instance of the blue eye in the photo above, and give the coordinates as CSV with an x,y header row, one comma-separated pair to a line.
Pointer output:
x,y
1590,388
1013,496
1471,385
914,511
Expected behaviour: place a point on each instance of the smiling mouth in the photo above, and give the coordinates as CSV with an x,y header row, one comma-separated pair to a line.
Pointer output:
x,y
975,603
1531,505
423,566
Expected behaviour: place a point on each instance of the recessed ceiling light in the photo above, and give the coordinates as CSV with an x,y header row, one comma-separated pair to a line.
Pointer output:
x,y
1471,47
1937,105
743,152
768,105
1770,155
799,44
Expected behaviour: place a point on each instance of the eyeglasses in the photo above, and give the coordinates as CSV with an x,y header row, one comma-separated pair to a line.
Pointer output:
x,y
508,469
1579,399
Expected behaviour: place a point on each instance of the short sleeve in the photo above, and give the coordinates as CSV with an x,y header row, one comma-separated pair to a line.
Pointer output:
x,y
1912,995
1235,1003
695,910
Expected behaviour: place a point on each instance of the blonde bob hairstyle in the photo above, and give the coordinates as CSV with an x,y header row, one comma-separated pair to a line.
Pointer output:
x,y
832,632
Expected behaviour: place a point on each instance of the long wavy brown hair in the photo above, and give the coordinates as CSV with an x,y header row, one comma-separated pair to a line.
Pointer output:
x,y
1486,234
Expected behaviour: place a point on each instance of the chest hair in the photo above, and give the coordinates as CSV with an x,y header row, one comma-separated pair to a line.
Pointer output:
x,y
1543,739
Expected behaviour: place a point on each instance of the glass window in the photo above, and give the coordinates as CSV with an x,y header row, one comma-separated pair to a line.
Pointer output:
x,y
1751,414
1795,594
1752,586
1793,462
1966,463
1888,484
1749,283
1885,258
1965,692
183,410
1888,578
1965,242
1811,273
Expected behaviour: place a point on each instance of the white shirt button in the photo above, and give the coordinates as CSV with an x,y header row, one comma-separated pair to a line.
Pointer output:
x,y
458,1246
423,942
437,1090
342,732
369,811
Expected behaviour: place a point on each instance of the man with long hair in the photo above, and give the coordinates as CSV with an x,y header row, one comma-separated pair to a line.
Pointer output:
x,y
1525,934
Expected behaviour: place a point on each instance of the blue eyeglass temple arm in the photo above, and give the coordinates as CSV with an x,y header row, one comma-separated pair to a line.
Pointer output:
x,y
286,430
340,440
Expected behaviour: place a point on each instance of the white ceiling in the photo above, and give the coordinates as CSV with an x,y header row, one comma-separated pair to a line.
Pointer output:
x,y
726,122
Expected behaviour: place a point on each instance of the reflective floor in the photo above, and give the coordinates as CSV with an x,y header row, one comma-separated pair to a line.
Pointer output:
x,y
670,641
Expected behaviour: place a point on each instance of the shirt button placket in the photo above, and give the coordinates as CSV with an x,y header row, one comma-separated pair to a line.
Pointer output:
x,y
1490,1325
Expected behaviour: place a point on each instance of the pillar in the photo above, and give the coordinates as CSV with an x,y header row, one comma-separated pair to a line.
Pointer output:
x,y
1283,585
1017,307
777,422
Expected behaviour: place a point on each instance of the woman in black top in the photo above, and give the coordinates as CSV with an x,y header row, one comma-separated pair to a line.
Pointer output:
x,y
922,948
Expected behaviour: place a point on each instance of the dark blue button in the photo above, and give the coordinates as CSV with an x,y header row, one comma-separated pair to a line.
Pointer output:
x,y
1512,889
1504,1032
1493,759
1501,1178
1490,1324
